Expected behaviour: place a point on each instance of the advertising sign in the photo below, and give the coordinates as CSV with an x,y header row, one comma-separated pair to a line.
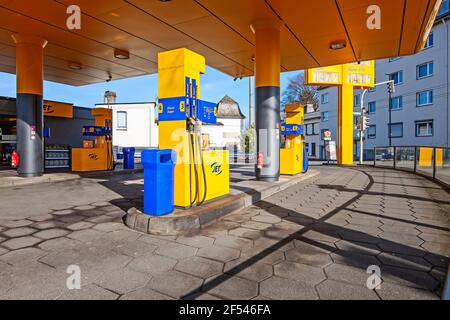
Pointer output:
x,y
58,109
360,74
324,76
327,135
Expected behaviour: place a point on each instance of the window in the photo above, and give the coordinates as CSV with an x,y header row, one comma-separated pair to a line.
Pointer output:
x,y
372,132
396,103
430,41
312,152
396,130
325,116
424,128
121,119
397,77
425,98
325,98
425,70
357,100
445,8
312,129
394,59
316,128
372,107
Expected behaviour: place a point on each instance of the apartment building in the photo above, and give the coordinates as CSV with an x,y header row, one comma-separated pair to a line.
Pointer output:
x,y
419,107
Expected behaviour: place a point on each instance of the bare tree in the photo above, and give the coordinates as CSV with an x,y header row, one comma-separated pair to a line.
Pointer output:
x,y
298,92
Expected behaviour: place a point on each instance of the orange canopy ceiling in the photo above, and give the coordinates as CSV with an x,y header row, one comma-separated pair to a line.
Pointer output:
x,y
218,29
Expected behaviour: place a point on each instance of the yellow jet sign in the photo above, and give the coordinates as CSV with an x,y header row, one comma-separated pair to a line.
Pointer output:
x,y
355,74
346,77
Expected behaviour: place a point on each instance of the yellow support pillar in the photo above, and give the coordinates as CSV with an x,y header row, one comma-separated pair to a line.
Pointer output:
x,y
345,127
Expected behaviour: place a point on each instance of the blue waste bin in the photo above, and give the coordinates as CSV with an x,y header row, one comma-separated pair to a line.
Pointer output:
x,y
158,181
128,158
305,160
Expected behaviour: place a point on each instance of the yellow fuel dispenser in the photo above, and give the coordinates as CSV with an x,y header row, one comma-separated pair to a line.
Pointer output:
x,y
291,157
100,157
200,174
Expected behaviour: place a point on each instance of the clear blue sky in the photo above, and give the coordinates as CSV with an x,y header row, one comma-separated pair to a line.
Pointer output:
x,y
214,86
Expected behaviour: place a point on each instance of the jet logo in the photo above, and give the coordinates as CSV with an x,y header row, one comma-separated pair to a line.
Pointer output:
x,y
216,169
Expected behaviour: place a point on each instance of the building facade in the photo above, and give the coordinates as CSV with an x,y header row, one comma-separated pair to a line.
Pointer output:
x,y
419,107
230,124
312,131
134,124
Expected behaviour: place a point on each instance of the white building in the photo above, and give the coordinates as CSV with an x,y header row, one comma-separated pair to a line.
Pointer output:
x,y
230,122
312,131
134,124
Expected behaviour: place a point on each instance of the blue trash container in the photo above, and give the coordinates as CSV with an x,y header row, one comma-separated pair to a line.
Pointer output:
x,y
128,158
158,181
305,160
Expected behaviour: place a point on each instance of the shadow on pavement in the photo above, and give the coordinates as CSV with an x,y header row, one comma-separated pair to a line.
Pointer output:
x,y
353,258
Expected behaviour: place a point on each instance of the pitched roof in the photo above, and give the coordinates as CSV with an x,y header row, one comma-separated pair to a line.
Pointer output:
x,y
229,109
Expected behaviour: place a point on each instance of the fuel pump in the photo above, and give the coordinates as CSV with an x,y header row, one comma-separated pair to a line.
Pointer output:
x,y
292,156
96,155
200,174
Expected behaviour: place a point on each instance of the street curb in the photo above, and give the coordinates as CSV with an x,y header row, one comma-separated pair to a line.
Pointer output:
x,y
19,182
182,222
47,178
100,174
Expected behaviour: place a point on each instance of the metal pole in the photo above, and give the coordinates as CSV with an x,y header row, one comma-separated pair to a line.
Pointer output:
x,y
434,163
375,156
250,102
361,130
395,157
390,119
415,159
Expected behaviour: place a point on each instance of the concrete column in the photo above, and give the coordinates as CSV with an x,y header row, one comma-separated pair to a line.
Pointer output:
x,y
29,105
267,82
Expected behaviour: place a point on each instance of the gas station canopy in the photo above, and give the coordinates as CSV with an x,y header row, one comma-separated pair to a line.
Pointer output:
x,y
217,29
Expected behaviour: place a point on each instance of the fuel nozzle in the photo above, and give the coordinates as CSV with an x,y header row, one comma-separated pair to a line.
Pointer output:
x,y
190,123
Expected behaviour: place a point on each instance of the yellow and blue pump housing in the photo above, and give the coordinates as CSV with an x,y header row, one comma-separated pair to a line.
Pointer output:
x,y
179,102
292,156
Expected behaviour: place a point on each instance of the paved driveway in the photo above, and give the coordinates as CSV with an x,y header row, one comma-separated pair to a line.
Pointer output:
x,y
315,240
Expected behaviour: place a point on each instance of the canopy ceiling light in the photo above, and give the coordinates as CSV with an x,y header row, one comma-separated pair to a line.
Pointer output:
x,y
338,45
121,54
75,66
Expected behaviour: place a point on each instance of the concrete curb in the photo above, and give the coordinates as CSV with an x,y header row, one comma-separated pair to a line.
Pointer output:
x,y
194,219
100,174
9,182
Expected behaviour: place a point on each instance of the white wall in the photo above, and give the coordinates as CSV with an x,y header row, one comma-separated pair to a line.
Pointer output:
x,y
228,134
141,131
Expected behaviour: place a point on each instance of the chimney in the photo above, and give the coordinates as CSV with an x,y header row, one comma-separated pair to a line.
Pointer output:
x,y
110,97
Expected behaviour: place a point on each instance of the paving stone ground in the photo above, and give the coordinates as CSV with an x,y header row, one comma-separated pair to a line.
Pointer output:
x,y
315,240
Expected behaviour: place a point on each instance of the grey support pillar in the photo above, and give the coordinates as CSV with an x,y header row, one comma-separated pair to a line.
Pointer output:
x,y
267,81
30,119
